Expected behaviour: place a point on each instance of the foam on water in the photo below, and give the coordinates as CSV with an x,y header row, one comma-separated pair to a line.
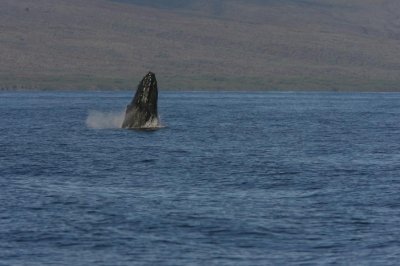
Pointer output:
x,y
104,120
112,119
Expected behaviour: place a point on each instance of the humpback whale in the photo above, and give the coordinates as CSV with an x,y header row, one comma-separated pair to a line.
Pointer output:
x,y
142,111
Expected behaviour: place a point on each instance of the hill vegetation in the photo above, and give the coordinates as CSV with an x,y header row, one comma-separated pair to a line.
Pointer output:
x,y
225,45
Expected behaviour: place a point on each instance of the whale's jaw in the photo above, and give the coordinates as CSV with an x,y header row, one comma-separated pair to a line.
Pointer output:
x,y
141,113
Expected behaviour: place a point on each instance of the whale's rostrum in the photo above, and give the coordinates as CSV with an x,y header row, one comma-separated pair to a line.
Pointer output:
x,y
142,111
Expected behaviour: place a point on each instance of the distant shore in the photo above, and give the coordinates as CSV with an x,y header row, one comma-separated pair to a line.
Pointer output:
x,y
199,84
239,46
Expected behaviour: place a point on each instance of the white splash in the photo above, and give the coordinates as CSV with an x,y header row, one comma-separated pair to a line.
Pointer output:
x,y
152,123
104,120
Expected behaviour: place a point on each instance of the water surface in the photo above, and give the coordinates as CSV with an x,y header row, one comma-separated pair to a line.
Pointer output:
x,y
233,179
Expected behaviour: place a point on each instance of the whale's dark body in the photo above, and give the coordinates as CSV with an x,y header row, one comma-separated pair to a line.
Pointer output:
x,y
142,111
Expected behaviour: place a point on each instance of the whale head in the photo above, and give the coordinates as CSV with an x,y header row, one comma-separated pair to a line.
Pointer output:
x,y
142,111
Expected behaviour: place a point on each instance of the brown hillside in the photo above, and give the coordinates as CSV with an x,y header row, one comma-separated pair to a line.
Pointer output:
x,y
271,45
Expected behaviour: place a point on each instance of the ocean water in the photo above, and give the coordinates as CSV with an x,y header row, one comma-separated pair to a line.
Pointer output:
x,y
232,179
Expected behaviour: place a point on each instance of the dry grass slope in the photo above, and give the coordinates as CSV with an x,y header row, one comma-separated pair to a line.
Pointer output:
x,y
233,45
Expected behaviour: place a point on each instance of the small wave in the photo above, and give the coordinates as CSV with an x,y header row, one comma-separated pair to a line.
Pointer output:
x,y
104,120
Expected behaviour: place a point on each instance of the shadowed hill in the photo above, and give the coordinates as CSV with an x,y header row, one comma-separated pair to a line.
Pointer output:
x,y
198,44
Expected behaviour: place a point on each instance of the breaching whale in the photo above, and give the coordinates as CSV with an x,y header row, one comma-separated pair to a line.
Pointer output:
x,y
142,111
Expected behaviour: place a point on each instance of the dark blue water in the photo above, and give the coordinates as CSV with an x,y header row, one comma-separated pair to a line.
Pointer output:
x,y
233,179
